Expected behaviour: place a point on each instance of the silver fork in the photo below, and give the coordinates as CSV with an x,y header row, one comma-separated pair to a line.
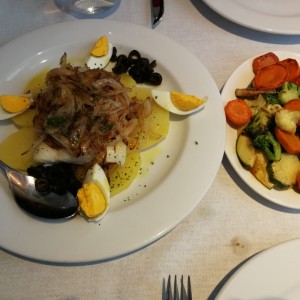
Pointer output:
x,y
185,294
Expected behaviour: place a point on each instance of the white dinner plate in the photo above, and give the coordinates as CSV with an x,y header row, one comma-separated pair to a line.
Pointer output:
x,y
272,16
184,164
273,274
241,78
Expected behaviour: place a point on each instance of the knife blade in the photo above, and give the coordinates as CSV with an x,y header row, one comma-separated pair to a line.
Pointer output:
x,y
157,8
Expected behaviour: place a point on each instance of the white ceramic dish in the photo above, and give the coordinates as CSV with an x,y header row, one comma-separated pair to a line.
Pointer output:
x,y
241,78
271,274
272,16
185,163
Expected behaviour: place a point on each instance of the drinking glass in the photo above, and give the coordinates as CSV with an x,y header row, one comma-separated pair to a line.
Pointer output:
x,y
89,7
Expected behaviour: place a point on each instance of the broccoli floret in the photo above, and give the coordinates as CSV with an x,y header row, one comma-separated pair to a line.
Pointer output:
x,y
267,143
259,124
288,91
271,98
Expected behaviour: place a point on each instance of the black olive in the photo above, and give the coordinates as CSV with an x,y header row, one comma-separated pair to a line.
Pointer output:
x,y
138,74
138,67
121,65
114,56
42,185
155,79
58,178
153,64
37,171
134,55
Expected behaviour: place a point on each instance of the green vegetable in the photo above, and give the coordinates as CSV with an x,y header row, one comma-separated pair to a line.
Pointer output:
x,y
259,124
56,121
288,91
267,143
271,98
245,151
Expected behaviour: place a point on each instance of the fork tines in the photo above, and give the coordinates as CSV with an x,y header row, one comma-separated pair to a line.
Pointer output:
x,y
184,294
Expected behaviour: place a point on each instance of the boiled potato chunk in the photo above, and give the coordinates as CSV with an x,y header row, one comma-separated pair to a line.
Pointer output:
x,y
121,177
159,119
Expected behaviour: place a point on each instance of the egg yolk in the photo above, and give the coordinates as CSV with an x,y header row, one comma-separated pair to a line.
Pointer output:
x,y
185,102
91,201
14,104
101,47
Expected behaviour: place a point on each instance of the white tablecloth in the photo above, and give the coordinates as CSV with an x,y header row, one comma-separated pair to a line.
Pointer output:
x,y
230,224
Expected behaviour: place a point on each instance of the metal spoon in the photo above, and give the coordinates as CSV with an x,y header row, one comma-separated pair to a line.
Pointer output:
x,y
50,206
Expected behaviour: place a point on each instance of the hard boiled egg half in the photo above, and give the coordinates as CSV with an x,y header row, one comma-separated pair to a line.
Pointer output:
x,y
178,103
94,196
100,54
12,105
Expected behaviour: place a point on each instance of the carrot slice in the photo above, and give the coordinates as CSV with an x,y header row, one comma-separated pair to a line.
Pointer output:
x,y
292,68
297,79
237,112
289,141
293,105
264,60
270,77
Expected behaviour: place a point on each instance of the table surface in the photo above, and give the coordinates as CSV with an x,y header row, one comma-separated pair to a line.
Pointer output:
x,y
229,225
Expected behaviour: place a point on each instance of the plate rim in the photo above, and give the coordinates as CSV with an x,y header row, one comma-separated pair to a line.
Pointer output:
x,y
167,226
251,261
264,22
244,72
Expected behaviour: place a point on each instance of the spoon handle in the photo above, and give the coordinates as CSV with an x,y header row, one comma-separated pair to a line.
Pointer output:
x,y
5,170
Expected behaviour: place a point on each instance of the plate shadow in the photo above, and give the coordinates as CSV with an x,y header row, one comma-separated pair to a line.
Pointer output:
x,y
242,31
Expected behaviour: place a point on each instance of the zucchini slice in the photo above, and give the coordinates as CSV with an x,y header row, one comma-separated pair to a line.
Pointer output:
x,y
245,151
283,173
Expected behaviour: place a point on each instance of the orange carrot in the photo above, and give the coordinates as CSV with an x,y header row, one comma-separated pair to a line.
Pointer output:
x,y
270,77
289,141
264,60
237,112
293,105
297,80
292,68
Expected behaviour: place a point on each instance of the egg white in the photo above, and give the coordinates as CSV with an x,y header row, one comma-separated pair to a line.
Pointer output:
x,y
101,61
163,99
96,175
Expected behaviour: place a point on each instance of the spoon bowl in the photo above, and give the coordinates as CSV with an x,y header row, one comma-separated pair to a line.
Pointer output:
x,y
49,206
